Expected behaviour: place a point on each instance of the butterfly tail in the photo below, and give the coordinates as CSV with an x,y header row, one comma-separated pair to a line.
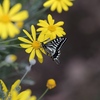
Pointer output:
x,y
56,60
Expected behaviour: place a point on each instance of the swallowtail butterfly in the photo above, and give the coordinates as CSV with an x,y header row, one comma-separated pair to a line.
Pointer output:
x,y
53,47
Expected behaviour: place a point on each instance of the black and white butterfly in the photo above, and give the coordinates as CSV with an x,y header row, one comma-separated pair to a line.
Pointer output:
x,y
53,47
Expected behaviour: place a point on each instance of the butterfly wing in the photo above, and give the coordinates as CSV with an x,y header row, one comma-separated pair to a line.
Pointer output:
x,y
53,48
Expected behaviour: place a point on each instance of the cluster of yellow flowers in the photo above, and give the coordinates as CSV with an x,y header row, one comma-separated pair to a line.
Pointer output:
x,y
11,21
15,94
48,30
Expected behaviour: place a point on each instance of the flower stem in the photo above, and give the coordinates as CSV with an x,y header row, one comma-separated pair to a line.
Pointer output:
x,y
6,41
43,94
27,70
15,45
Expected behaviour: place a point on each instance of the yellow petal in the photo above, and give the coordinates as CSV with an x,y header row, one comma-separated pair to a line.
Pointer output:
x,y
12,30
24,40
39,54
48,3
39,29
33,98
59,34
6,6
43,50
64,6
59,23
29,36
54,6
50,20
14,95
33,32
4,33
3,86
15,9
40,60
20,16
25,45
15,85
28,50
62,32
1,10
53,36
32,55
68,2
41,37
24,95
59,8
42,23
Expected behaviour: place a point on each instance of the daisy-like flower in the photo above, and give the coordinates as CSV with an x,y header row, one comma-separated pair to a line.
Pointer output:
x,y
9,17
58,4
33,45
50,30
14,93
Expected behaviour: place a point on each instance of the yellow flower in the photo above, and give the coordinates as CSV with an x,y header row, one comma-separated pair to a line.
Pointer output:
x,y
51,84
5,92
14,94
25,95
32,46
49,29
8,18
11,58
58,4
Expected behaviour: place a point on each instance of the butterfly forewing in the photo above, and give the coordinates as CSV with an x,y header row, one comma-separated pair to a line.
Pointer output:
x,y
53,47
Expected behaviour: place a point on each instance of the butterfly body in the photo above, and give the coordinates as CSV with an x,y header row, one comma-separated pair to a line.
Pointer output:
x,y
53,47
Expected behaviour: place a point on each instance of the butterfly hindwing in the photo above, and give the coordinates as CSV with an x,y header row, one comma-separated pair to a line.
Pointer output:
x,y
53,47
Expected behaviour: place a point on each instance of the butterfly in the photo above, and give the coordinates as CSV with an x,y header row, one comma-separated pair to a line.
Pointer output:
x,y
53,47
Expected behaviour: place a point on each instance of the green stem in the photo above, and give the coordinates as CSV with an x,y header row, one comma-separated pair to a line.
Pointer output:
x,y
43,94
26,73
15,45
10,40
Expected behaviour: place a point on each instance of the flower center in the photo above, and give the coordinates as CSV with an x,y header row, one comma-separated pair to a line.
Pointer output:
x,y
36,44
52,28
5,19
19,24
